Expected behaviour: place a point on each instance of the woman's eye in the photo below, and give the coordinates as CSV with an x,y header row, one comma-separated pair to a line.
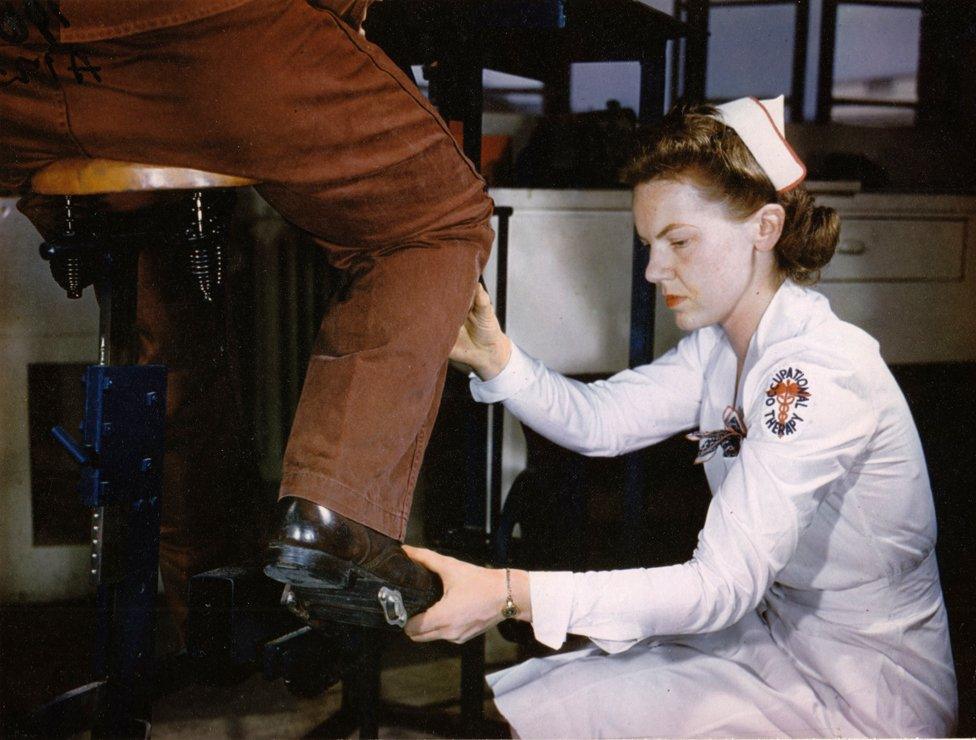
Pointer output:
x,y
679,243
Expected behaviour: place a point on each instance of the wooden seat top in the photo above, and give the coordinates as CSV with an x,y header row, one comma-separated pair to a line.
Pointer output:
x,y
80,176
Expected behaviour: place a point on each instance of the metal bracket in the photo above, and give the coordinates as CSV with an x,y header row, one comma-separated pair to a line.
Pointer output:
x,y
392,603
123,426
121,456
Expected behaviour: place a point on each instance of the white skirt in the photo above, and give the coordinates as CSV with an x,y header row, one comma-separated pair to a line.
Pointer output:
x,y
732,683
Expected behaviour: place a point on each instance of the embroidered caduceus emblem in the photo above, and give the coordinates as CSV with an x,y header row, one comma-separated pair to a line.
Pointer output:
x,y
789,391
729,439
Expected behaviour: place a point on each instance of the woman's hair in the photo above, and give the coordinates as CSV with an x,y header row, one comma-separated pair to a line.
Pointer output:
x,y
690,144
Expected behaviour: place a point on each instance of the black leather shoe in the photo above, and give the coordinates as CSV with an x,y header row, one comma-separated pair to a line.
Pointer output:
x,y
343,571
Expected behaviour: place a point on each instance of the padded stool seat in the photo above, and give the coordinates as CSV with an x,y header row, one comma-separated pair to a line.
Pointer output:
x,y
80,176
128,193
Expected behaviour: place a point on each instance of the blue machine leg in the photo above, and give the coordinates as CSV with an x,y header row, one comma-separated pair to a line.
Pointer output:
x,y
121,457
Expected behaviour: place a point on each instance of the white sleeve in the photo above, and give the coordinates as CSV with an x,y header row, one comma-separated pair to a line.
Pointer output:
x,y
769,496
631,410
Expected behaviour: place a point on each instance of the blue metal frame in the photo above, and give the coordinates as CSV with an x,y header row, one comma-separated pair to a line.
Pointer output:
x,y
121,459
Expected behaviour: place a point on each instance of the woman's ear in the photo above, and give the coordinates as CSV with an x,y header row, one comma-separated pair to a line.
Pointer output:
x,y
769,221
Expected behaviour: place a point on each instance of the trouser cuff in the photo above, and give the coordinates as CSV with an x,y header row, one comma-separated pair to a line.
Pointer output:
x,y
355,505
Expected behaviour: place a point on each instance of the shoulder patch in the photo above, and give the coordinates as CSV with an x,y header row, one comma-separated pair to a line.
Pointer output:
x,y
787,395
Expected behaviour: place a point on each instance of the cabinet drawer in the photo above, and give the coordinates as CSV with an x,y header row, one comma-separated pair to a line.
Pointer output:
x,y
898,250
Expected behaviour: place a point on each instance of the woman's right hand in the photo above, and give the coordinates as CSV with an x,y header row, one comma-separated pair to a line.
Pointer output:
x,y
481,344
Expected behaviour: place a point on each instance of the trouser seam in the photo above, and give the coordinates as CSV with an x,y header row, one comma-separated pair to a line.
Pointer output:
x,y
67,120
418,97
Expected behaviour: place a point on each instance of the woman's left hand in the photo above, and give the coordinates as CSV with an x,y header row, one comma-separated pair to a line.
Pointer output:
x,y
472,602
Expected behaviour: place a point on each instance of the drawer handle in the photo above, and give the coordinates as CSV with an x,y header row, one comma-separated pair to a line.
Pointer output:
x,y
852,246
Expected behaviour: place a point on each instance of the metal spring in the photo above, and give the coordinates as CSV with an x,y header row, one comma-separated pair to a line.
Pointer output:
x,y
200,270
72,269
207,257
72,265
218,262
69,221
198,210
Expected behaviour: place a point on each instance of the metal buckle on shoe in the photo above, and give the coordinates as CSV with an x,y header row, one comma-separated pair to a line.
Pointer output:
x,y
291,601
392,604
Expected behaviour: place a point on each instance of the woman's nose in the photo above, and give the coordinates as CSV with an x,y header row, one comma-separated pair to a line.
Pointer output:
x,y
658,267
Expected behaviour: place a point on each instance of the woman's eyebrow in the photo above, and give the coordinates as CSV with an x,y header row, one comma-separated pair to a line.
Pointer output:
x,y
668,228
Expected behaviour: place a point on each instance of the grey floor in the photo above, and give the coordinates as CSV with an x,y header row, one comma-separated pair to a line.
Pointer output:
x,y
45,650
256,708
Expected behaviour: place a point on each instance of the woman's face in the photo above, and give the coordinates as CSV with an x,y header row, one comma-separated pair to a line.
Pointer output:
x,y
702,259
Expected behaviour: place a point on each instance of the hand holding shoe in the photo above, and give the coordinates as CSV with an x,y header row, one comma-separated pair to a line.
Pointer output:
x,y
473,599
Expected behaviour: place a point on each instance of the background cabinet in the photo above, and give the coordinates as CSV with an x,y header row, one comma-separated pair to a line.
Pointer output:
x,y
904,271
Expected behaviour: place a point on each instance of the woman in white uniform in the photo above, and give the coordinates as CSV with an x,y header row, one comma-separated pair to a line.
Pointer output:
x,y
812,604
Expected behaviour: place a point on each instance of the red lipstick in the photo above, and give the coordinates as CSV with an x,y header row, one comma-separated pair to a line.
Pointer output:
x,y
673,300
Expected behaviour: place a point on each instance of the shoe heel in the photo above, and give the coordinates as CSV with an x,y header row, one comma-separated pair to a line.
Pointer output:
x,y
304,567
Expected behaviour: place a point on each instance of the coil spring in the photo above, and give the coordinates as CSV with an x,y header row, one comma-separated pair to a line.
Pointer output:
x,y
206,256
72,264
217,250
72,274
200,270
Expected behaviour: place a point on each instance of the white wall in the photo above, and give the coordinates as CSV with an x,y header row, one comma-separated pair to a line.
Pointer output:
x,y
37,324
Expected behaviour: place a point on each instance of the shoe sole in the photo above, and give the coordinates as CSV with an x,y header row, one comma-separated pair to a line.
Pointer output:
x,y
333,590
305,567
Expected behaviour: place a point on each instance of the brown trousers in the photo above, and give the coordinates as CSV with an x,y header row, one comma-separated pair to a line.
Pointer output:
x,y
346,148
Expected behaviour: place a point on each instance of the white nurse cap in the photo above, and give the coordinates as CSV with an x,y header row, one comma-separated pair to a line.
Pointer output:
x,y
760,125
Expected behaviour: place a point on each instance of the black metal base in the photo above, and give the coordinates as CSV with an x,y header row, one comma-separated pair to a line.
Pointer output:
x,y
236,625
82,709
